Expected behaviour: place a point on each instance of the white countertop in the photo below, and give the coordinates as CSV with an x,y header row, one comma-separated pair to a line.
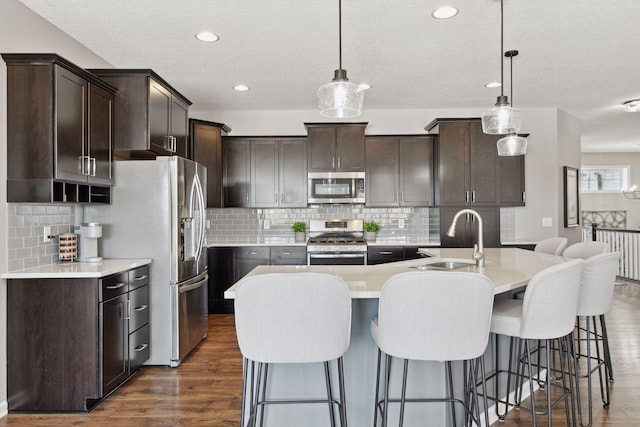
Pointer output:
x,y
507,268
73,270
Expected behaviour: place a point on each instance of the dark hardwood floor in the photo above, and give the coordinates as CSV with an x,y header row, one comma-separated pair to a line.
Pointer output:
x,y
206,389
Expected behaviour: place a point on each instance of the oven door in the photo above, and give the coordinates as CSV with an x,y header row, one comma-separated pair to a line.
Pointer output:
x,y
337,258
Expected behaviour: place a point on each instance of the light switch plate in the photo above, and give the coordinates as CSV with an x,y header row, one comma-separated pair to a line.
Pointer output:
x,y
547,222
267,224
46,233
401,223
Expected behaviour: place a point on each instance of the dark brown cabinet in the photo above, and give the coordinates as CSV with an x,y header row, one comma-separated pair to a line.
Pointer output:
x,y
73,341
467,228
512,188
236,155
399,171
278,173
59,122
206,148
151,117
384,254
335,147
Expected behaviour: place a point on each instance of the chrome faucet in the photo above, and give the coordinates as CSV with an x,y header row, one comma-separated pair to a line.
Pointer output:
x,y
478,249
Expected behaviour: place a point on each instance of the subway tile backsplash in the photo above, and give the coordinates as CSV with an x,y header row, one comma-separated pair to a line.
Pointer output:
x,y
25,229
248,225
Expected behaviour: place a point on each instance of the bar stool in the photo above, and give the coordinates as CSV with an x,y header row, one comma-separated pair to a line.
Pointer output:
x,y
596,294
547,312
585,250
433,316
551,246
291,318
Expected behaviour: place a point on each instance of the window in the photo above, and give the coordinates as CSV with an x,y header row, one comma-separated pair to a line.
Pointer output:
x,y
607,179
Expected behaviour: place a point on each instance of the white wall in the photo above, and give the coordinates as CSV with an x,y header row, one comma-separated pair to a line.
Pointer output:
x,y
21,30
615,201
568,154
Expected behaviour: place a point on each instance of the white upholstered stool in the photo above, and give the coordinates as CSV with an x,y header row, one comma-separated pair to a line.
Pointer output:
x,y
547,312
596,294
551,246
433,316
291,318
585,250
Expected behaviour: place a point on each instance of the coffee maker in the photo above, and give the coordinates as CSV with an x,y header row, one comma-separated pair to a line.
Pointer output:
x,y
89,233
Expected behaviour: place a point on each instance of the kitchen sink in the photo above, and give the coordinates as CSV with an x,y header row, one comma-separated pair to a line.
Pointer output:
x,y
444,265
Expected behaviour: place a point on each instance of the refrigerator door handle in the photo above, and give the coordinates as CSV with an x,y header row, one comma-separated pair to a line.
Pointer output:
x,y
202,213
186,288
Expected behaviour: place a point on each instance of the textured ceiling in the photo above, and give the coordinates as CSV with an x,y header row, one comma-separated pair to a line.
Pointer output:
x,y
578,55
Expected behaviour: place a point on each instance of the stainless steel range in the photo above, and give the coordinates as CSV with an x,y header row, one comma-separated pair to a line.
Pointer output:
x,y
336,242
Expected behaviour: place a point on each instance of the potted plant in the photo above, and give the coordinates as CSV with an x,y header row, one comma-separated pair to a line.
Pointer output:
x,y
371,229
299,228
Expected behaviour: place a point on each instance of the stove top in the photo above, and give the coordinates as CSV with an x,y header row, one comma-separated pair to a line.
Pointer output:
x,y
337,240
337,235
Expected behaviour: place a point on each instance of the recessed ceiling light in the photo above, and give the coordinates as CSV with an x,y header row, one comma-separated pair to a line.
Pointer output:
x,y
444,12
364,86
632,106
493,84
241,88
206,36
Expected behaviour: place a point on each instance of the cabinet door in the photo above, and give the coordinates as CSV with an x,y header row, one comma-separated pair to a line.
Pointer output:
x,y
512,189
247,258
220,278
237,172
139,303
139,348
115,343
491,227
206,147
293,173
453,162
321,150
350,148
483,166
159,116
416,171
461,239
100,135
264,174
383,254
382,187
179,126
288,255
72,161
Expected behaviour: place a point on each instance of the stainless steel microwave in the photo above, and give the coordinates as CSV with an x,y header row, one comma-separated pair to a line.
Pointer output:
x,y
336,187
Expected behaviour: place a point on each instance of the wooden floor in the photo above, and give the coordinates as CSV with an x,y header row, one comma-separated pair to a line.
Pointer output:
x,y
206,389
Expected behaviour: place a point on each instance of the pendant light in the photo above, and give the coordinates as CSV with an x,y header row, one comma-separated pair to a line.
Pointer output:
x,y
340,98
512,144
501,119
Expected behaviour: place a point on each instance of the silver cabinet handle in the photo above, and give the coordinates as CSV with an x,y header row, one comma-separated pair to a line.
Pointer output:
x,y
138,278
333,162
93,166
473,196
338,162
141,347
402,196
116,286
141,307
128,309
252,253
524,197
385,252
287,253
167,142
466,197
246,197
175,144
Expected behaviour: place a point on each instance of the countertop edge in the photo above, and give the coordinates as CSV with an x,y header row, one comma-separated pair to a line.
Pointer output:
x,y
78,269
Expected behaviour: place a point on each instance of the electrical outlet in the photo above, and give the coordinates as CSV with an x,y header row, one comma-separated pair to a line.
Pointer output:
x,y
208,224
401,223
46,233
267,224
547,222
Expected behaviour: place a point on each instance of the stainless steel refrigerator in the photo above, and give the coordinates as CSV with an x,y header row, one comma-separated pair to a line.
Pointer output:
x,y
158,211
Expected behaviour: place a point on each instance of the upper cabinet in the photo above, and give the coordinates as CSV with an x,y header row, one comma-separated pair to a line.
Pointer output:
x,y
59,122
205,147
335,147
399,170
151,117
470,172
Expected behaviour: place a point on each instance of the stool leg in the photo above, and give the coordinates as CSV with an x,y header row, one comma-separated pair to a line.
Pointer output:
x,y
607,352
530,372
327,376
375,403
387,373
245,367
484,392
548,357
343,399
450,381
264,393
403,394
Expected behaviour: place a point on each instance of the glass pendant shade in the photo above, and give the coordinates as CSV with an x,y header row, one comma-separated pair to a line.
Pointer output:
x,y
340,98
501,120
512,145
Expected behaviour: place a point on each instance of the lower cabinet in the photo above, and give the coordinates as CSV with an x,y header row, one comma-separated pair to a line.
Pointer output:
x,y
383,254
70,342
227,265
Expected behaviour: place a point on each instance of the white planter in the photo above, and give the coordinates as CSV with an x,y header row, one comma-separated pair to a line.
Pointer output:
x,y
370,236
301,236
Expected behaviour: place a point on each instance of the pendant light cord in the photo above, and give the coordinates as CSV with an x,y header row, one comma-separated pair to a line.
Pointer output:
x,y
340,31
501,48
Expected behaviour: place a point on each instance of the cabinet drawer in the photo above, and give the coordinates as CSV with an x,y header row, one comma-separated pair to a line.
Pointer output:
x,y
114,285
139,306
139,348
252,252
382,254
138,277
292,255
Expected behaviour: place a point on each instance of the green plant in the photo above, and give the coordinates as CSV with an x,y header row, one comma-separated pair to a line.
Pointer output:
x,y
371,227
299,227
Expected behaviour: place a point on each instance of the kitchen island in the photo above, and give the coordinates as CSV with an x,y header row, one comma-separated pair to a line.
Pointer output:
x,y
508,269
